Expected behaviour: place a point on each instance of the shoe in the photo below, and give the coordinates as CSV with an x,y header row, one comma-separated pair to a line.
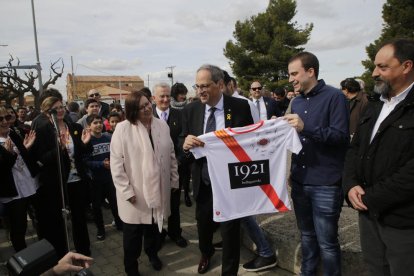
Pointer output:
x,y
101,235
187,200
218,246
260,263
204,265
181,242
156,263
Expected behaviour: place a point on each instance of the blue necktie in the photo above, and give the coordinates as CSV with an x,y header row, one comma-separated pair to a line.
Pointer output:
x,y
164,116
211,121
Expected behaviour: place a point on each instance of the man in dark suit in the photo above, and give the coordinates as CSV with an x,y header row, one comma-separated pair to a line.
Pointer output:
x,y
225,111
162,110
267,106
104,107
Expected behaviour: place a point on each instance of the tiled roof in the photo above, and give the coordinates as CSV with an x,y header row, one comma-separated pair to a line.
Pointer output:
x,y
107,78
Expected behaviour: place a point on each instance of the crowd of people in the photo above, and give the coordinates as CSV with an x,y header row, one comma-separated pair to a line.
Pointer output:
x,y
62,161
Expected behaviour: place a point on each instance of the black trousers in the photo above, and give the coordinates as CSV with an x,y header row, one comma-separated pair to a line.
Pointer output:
x,y
50,219
230,232
386,250
16,212
132,240
184,171
77,193
174,229
100,191
174,220
48,208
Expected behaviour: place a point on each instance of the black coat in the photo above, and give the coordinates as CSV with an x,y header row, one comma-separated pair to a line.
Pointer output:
x,y
385,167
45,151
104,111
7,161
236,114
272,108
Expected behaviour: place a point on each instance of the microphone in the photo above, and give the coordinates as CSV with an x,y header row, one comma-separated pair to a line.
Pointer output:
x,y
53,115
52,111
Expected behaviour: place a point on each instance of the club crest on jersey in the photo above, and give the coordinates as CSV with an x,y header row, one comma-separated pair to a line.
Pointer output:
x,y
263,142
218,213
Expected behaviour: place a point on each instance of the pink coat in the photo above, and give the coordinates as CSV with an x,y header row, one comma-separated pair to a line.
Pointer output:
x,y
142,171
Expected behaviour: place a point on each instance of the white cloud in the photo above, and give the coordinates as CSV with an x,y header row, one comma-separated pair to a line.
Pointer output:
x,y
318,8
113,64
136,37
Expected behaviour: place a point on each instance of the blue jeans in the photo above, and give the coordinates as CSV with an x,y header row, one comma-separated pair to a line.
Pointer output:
x,y
257,236
317,210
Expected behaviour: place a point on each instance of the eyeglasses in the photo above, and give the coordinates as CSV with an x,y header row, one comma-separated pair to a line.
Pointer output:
x,y
202,86
256,88
144,106
7,118
94,95
57,108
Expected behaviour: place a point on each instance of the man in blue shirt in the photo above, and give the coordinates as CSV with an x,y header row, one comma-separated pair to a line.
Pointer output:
x,y
321,117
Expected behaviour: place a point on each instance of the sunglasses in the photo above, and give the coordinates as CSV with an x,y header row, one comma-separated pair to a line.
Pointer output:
x,y
256,88
94,95
7,118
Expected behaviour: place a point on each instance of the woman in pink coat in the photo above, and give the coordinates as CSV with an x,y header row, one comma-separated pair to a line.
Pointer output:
x,y
144,170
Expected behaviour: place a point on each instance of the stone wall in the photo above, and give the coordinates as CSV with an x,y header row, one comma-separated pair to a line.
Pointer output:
x,y
282,232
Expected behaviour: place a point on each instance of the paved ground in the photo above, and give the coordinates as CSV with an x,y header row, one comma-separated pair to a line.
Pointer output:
x,y
177,261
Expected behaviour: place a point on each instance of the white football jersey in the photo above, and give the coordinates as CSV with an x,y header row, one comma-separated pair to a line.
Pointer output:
x,y
247,168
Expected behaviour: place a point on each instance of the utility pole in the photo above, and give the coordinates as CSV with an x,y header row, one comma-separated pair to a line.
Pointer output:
x,y
39,68
171,74
73,80
148,80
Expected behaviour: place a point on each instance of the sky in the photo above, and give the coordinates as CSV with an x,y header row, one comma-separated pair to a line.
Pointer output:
x,y
130,37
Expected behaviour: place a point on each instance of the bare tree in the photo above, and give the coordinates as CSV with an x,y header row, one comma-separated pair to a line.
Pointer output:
x,y
14,85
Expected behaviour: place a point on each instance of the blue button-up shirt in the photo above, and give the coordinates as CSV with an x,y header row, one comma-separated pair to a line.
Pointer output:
x,y
325,136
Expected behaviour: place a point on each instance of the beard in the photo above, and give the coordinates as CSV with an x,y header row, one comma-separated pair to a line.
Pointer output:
x,y
382,87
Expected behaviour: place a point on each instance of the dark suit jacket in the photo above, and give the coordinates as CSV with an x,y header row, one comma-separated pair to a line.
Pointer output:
x,y
272,108
175,124
236,114
104,111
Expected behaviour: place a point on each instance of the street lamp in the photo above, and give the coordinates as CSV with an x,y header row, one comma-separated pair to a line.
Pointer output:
x,y
171,74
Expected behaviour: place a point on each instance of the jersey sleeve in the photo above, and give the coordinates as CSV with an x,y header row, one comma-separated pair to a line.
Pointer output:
x,y
293,142
199,152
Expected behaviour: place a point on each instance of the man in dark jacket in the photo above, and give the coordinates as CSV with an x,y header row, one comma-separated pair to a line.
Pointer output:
x,y
103,107
213,111
162,110
267,107
357,99
379,169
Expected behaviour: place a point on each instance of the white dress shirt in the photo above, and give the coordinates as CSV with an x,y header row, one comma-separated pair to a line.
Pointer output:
x,y
263,110
253,109
159,112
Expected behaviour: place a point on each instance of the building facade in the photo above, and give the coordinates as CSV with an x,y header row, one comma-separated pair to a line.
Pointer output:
x,y
115,87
